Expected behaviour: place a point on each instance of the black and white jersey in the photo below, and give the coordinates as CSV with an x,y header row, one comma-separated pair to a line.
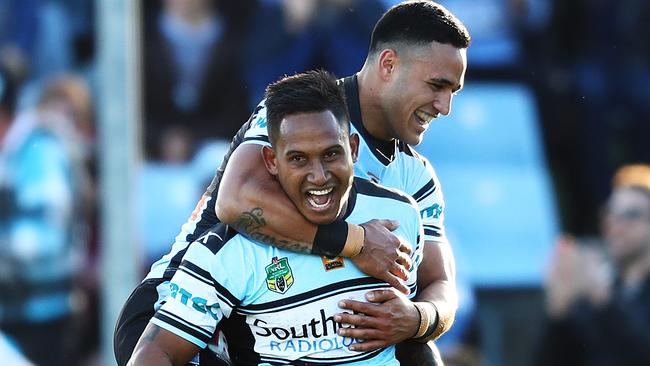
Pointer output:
x,y
275,306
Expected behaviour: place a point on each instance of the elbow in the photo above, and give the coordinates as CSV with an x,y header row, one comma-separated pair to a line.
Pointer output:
x,y
147,356
226,210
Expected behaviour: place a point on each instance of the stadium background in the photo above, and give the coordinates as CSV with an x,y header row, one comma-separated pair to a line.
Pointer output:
x,y
557,96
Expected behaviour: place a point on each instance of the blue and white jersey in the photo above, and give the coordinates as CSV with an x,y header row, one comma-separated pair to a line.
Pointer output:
x,y
39,222
277,306
398,166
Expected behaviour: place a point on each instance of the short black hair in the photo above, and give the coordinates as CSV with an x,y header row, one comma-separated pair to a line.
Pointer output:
x,y
419,22
311,91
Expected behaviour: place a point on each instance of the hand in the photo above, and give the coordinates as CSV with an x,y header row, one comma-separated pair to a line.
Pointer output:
x,y
598,275
388,318
384,255
562,287
576,271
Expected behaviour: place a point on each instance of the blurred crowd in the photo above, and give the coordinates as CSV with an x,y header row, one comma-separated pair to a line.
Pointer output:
x,y
206,64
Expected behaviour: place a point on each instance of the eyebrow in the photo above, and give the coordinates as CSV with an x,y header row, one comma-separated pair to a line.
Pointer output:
x,y
336,146
445,82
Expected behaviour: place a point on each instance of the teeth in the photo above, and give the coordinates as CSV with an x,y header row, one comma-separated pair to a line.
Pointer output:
x,y
425,117
320,192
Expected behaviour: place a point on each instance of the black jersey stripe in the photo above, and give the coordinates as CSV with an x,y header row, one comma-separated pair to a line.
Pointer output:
x,y
311,300
432,232
197,273
423,190
368,188
175,317
307,361
226,295
314,295
180,324
432,191
357,357
431,226
257,138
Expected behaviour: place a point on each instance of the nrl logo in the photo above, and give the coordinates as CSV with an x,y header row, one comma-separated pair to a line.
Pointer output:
x,y
279,277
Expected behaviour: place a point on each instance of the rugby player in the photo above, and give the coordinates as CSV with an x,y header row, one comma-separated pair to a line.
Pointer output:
x,y
281,309
416,63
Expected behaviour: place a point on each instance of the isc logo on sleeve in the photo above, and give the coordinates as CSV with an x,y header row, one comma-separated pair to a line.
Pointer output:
x,y
434,211
197,303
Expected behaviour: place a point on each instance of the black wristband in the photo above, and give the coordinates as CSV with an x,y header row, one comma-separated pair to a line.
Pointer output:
x,y
330,239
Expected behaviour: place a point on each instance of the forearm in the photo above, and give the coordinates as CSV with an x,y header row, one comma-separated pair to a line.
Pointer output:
x,y
437,284
253,202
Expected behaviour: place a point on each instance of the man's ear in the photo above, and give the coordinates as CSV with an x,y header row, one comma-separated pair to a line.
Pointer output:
x,y
388,61
270,161
354,146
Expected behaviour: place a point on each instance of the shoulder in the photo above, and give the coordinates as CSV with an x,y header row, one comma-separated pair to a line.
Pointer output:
x,y
422,177
217,237
254,130
368,188
409,154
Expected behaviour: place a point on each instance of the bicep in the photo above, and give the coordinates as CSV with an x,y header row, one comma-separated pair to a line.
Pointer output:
x,y
244,177
437,263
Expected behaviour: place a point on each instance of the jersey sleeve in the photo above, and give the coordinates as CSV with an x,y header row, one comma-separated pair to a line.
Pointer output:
x,y
257,133
198,300
427,192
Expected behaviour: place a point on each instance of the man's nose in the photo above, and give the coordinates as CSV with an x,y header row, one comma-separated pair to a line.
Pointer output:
x,y
443,103
318,174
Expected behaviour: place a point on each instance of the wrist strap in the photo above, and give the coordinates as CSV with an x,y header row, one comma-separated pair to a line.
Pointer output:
x,y
354,244
429,321
330,239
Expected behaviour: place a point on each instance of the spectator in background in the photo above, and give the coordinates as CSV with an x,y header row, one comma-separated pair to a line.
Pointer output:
x,y
45,37
42,197
307,34
192,70
343,28
598,316
594,82
68,109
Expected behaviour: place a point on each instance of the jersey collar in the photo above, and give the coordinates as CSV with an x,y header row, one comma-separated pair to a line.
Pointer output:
x,y
384,151
352,200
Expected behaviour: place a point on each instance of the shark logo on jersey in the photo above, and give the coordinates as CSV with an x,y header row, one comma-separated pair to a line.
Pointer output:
x,y
279,277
